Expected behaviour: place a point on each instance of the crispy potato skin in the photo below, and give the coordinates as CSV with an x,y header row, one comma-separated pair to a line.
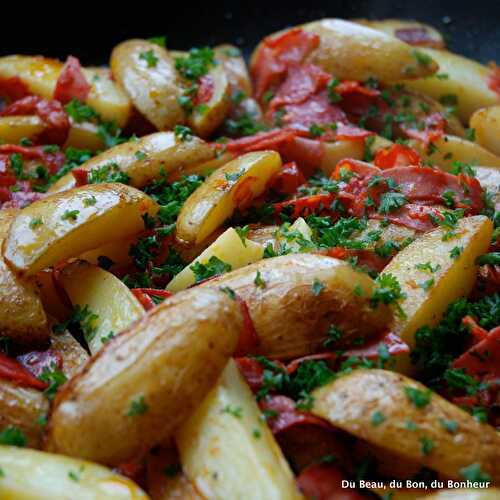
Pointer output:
x,y
290,319
171,358
145,159
21,407
154,90
115,211
349,403
22,316
354,52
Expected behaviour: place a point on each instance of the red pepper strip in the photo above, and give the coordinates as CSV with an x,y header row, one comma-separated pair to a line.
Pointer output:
x,y
483,359
494,78
205,90
81,176
392,342
287,416
294,364
433,130
14,371
360,168
145,300
276,54
71,83
288,179
274,139
364,257
476,331
324,482
416,36
306,205
51,113
37,361
248,339
13,88
397,155
53,161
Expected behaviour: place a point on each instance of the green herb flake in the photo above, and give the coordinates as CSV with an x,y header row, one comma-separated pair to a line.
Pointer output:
x,y
420,398
137,407
150,57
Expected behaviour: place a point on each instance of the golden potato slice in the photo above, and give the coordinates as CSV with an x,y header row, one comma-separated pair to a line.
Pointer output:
x,y
65,225
84,135
15,128
350,402
428,293
147,73
466,79
486,123
146,159
294,299
206,118
117,251
72,353
40,75
234,66
146,381
105,295
22,316
25,409
489,177
232,186
31,474
407,31
225,446
450,149
54,305
354,52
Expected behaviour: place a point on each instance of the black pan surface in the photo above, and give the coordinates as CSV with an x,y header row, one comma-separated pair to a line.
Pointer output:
x,y
88,32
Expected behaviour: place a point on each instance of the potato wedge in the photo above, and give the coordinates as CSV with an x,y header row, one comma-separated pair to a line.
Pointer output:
x,y
230,187
84,135
40,75
466,79
15,128
450,149
350,401
429,294
105,295
22,316
144,160
67,224
235,67
486,123
25,409
72,353
147,380
489,177
411,32
147,73
229,248
117,251
300,297
36,475
354,52
233,456
206,119
54,305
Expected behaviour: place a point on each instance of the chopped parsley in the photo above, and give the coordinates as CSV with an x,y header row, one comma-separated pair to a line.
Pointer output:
x,y
235,411
150,57
258,281
35,222
492,258
391,201
109,172
12,436
71,215
183,133
54,378
474,473
317,287
196,64
137,407
213,267
377,418
420,398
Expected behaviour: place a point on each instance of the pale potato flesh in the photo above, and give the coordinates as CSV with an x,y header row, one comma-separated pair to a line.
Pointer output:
x,y
235,67
101,213
349,403
146,159
486,123
72,353
292,316
36,475
14,128
238,181
221,454
454,278
466,79
152,85
165,364
22,315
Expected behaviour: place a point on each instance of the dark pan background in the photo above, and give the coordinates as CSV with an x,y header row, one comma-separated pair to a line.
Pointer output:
x,y
89,32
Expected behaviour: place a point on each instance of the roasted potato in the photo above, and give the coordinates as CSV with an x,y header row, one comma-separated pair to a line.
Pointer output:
x,y
72,353
297,299
22,316
15,128
146,381
354,52
450,149
489,178
235,67
230,187
206,118
350,402
146,159
25,409
147,73
229,455
411,32
229,248
105,295
54,304
40,75
66,224
486,123
31,474
117,251
428,294
465,79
